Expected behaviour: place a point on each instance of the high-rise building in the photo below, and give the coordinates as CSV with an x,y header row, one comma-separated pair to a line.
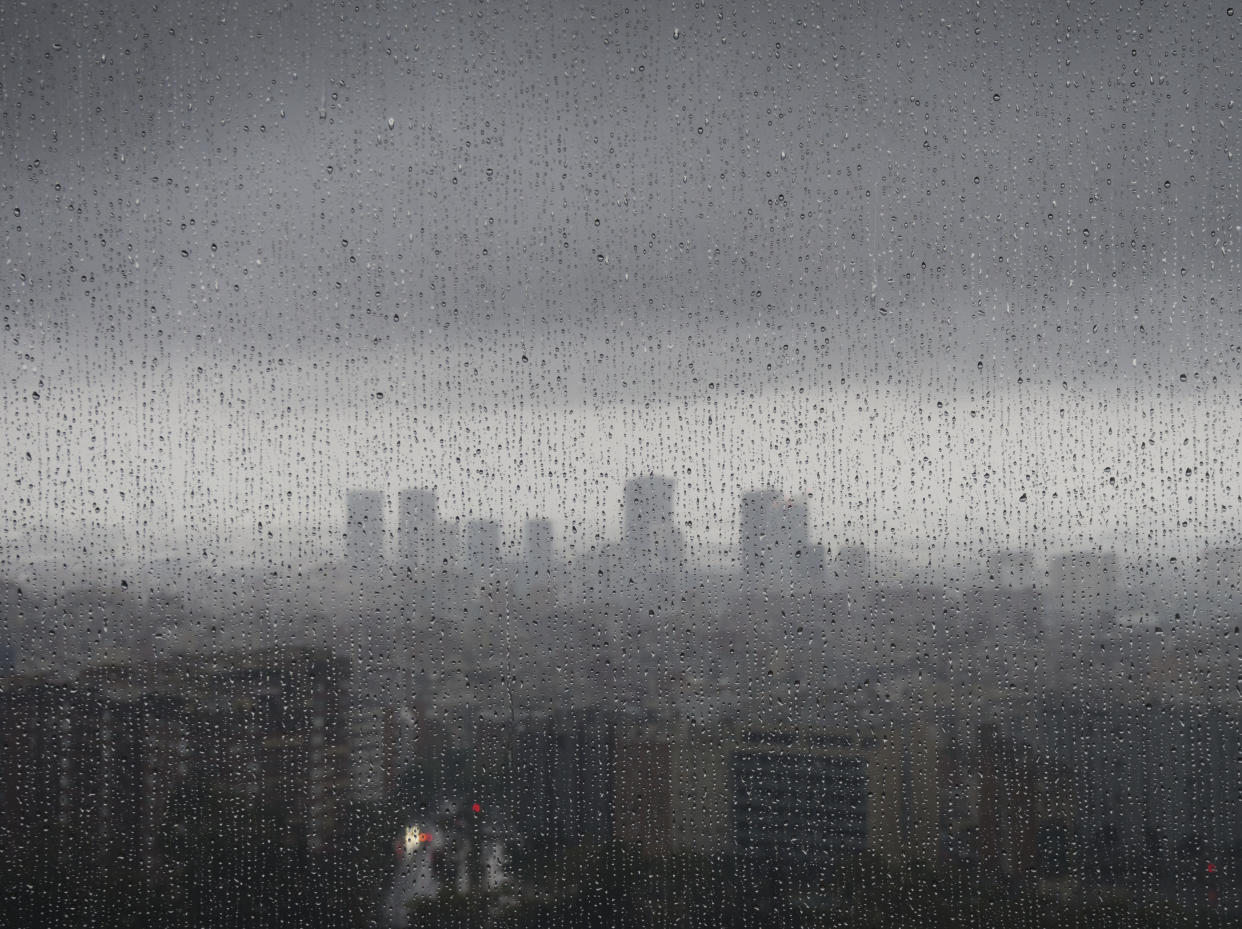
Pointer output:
x,y
793,799
1083,583
482,547
564,777
364,528
537,553
755,520
652,541
1220,575
100,760
1010,569
419,535
852,569
776,547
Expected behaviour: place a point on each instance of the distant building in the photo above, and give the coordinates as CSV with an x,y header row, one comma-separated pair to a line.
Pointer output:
x,y
776,548
268,725
1148,784
538,554
754,521
372,751
852,571
564,766
419,534
799,796
651,538
775,795
1220,572
644,788
1010,569
13,608
482,555
1083,583
97,768
364,528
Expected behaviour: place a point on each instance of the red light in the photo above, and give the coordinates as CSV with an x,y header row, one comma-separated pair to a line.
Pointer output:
x,y
477,808
1211,868
424,837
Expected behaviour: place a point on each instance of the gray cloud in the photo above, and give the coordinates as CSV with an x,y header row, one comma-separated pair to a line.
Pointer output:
x,y
214,224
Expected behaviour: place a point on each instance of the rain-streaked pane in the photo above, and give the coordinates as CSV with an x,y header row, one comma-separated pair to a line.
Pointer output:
x,y
692,465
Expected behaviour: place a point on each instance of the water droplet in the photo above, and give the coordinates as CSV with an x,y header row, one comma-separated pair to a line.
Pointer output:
x,y
17,211
392,123
996,98
676,33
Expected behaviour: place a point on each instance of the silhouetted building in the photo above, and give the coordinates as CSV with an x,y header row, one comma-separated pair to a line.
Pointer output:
x,y
1220,572
754,519
798,796
852,571
1157,786
1011,569
364,528
776,548
268,725
538,554
378,738
90,769
419,534
1083,584
564,778
482,556
644,788
652,541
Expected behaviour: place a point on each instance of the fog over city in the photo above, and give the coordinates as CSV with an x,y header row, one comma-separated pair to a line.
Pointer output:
x,y
597,464
519,257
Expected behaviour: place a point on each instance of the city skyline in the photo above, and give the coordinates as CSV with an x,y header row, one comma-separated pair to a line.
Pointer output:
x,y
771,535
880,255
615,464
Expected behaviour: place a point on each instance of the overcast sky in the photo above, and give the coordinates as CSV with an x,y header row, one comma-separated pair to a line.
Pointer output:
x,y
968,273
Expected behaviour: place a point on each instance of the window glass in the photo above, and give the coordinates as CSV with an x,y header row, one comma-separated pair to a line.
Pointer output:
x,y
694,464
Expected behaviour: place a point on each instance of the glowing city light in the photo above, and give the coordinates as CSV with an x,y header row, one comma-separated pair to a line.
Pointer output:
x,y
415,839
